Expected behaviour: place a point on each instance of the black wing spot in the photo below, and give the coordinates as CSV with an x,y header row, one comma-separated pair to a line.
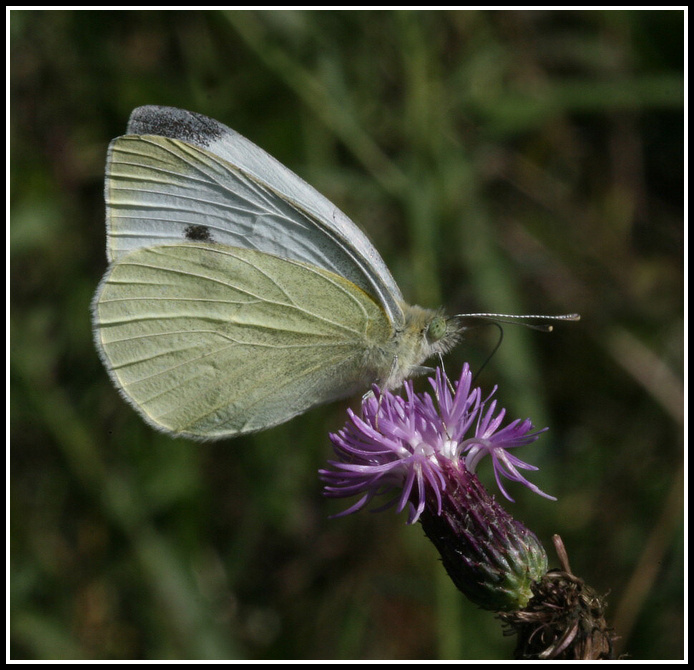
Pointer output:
x,y
198,233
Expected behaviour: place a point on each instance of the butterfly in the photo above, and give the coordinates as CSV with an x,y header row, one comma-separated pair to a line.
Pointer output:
x,y
236,295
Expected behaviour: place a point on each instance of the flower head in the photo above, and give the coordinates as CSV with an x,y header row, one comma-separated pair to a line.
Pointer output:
x,y
422,451
403,443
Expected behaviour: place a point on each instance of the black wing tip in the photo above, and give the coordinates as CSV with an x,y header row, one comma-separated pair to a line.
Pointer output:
x,y
175,123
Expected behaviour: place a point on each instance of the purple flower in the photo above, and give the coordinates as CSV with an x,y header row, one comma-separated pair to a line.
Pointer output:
x,y
421,451
407,445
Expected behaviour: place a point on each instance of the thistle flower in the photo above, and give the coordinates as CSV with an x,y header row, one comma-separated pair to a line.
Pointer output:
x,y
405,444
421,452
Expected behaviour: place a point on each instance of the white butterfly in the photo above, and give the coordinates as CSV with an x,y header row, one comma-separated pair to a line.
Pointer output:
x,y
237,296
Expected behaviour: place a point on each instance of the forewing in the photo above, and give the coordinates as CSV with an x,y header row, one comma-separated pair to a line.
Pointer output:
x,y
209,341
179,175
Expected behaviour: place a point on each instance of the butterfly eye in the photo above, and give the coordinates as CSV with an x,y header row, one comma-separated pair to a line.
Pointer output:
x,y
436,329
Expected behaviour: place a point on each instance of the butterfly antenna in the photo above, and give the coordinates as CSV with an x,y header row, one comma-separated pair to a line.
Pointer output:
x,y
523,319
526,320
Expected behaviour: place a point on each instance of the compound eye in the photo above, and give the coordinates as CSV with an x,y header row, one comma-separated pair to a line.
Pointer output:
x,y
436,329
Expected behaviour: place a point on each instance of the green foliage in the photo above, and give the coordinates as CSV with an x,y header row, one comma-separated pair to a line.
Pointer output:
x,y
521,161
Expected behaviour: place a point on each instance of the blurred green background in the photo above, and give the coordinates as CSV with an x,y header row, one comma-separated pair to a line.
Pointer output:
x,y
527,161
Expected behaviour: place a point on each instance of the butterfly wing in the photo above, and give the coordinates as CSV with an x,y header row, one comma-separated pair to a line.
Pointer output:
x,y
181,176
210,341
